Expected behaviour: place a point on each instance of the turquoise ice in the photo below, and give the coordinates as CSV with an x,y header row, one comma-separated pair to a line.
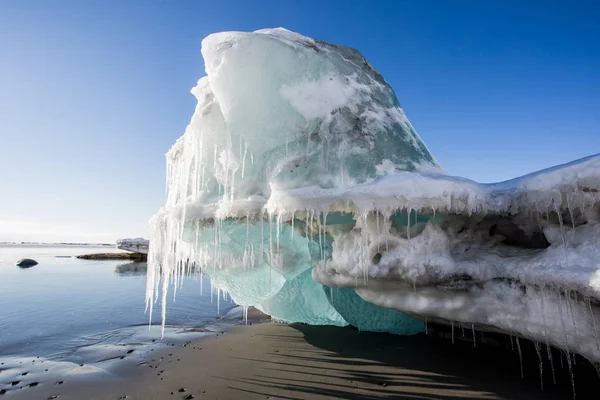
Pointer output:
x,y
279,111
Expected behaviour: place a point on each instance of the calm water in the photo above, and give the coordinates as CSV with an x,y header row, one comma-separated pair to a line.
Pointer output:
x,y
64,304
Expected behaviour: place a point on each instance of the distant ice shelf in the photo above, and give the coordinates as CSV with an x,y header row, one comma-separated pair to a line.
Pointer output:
x,y
137,245
301,188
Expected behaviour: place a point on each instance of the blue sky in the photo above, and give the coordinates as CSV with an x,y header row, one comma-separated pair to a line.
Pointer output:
x,y
93,93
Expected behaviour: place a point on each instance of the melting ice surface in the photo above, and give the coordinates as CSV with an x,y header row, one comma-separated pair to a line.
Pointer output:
x,y
301,188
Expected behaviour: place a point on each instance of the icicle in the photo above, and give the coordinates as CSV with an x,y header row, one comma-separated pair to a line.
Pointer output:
x,y
562,232
589,301
543,311
520,357
549,351
571,373
426,333
292,230
570,209
512,345
262,239
270,248
562,321
539,353
244,158
597,367
325,214
278,222
568,297
452,323
473,330
218,302
408,223
320,236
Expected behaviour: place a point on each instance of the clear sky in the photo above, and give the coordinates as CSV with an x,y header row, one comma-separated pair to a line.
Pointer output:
x,y
93,93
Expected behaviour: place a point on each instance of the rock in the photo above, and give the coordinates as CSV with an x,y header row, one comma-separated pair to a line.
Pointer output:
x,y
26,262
114,256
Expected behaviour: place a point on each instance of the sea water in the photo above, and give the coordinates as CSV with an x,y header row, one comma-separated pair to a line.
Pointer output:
x,y
65,304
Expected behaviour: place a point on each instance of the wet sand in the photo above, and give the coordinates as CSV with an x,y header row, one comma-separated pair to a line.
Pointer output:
x,y
275,361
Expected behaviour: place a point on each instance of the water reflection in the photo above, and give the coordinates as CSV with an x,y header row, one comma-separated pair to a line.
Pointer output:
x,y
131,269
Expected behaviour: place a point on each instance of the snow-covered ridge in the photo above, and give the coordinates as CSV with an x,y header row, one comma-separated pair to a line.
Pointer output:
x,y
569,186
300,172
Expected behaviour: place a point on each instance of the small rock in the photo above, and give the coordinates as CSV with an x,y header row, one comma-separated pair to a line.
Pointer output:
x,y
2,391
15,383
24,373
26,263
32,384
129,351
181,390
384,384
60,382
53,397
189,397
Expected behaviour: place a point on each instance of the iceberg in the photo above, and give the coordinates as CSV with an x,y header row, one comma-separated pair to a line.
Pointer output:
x,y
136,245
300,188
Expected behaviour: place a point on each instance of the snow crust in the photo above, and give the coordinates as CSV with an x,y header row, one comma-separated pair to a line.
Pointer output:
x,y
299,177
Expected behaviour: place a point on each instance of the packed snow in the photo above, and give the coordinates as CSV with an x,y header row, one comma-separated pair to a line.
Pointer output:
x,y
301,188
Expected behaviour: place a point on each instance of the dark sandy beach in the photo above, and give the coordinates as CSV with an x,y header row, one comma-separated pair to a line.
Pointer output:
x,y
276,361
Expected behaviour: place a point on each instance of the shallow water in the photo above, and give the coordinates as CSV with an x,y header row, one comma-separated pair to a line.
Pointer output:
x,y
62,305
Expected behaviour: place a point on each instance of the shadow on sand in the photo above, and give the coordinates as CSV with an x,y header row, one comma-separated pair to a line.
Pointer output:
x,y
347,364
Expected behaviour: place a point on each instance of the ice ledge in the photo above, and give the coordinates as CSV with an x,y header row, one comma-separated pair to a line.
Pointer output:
x,y
571,185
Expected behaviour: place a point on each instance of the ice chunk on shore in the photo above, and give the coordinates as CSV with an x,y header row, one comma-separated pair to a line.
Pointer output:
x,y
299,162
300,113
